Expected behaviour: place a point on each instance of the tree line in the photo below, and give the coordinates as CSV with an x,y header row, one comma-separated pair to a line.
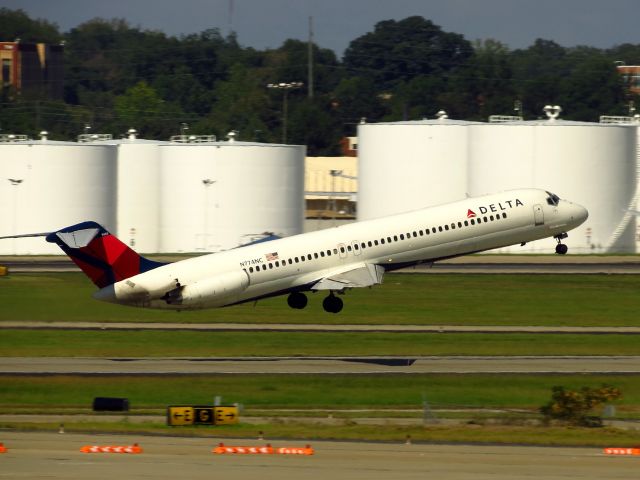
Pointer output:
x,y
118,76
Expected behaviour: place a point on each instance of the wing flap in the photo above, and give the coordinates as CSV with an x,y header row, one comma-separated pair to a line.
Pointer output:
x,y
363,275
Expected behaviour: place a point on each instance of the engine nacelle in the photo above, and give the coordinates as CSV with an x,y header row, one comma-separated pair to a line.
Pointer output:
x,y
211,292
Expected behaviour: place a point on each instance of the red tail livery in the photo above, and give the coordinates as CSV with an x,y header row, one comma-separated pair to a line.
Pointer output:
x,y
100,255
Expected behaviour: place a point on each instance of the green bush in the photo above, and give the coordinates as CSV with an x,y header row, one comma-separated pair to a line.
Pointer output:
x,y
576,407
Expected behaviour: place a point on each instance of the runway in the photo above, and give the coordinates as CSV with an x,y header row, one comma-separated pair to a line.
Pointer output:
x,y
57,456
308,327
319,365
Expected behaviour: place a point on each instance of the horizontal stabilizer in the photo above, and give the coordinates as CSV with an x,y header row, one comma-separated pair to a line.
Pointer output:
x,y
364,275
27,235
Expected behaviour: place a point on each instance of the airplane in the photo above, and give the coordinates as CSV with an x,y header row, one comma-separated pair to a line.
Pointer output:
x,y
333,260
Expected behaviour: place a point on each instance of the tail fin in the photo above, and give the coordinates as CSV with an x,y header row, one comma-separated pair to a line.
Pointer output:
x,y
100,255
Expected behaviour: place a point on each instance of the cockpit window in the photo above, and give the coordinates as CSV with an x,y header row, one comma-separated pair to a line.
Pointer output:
x,y
553,199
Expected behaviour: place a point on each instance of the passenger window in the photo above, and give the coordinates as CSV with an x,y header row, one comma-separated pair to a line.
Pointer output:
x,y
369,243
375,242
434,229
491,218
473,222
446,227
382,241
264,267
395,238
466,223
270,266
309,257
459,224
401,236
342,250
504,215
250,269
322,254
296,259
315,255
277,263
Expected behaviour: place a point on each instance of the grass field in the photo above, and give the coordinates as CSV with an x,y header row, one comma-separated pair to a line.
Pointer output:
x,y
505,299
306,391
328,393
109,343
545,300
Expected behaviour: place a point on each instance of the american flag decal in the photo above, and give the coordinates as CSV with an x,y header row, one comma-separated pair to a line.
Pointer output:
x,y
272,256
471,214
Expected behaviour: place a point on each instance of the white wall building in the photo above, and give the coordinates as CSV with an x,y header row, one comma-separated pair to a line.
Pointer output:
x,y
47,185
219,195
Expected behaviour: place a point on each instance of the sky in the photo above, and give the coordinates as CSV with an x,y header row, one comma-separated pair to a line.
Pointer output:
x,y
268,23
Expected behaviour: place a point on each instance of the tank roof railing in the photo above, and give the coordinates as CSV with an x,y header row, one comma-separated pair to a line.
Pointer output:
x,y
12,137
505,118
192,138
619,119
94,137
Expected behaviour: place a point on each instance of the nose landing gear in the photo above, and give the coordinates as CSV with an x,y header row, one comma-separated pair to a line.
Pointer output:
x,y
561,248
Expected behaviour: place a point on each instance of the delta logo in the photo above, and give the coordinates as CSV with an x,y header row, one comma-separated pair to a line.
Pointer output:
x,y
495,207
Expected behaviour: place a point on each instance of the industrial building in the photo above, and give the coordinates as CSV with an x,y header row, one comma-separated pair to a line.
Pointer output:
x,y
428,163
197,194
32,67
45,185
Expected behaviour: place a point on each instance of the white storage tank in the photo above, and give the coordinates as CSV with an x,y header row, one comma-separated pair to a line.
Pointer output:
x,y
589,163
138,192
219,195
46,185
409,165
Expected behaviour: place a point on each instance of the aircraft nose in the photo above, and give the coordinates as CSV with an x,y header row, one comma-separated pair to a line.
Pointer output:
x,y
578,213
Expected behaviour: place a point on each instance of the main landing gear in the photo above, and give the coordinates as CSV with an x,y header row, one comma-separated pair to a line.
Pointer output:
x,y
561,248
331,304
297,300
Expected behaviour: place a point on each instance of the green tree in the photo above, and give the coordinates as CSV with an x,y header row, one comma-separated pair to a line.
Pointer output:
x,y
16,24
356,98
592,88
398,51
576,407
290,62
141,107
311,124
241,104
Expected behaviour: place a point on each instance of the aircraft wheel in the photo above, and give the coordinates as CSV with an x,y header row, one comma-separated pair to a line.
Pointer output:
x,y
297,300
561,249
332,304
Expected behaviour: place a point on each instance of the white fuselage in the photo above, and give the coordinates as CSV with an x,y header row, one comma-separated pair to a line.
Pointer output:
x,y
299,262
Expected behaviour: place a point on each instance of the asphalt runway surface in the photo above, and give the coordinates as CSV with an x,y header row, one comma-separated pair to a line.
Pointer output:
x,y
318,365
57,456
307,327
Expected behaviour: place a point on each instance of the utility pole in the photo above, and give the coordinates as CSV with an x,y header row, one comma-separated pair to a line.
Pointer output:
x,y
310,58
285,87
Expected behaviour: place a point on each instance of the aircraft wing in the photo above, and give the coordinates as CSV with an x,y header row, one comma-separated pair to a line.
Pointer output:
x,y
361,275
